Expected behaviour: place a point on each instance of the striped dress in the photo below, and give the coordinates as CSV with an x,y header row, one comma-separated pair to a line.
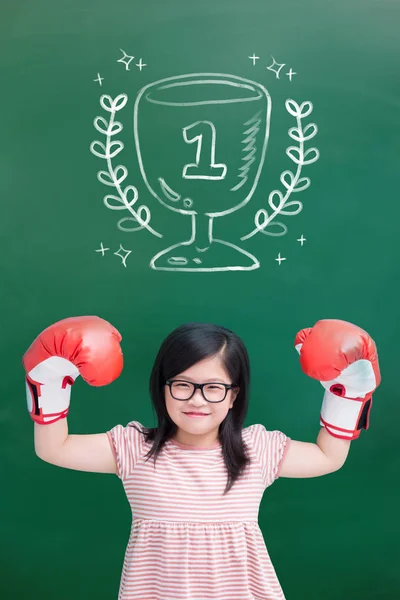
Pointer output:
x,y
187,540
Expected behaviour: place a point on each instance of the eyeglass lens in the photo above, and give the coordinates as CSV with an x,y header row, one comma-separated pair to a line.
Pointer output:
x,y
182,390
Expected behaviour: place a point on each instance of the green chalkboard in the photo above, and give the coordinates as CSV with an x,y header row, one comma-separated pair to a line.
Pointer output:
x,y
227,162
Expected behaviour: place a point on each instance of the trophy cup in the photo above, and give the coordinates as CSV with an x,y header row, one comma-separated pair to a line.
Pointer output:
x,y
201,141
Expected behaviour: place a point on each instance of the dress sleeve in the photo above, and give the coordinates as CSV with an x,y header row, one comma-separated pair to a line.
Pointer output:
x,y
126,444
270,448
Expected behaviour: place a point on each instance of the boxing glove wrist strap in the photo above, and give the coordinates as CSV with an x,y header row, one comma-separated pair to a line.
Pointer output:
x,y
344,417
48,389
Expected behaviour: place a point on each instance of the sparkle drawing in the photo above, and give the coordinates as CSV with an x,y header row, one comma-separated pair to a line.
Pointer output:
x,y
99,79
290,74
280,259
301,239
123,254
102,249
126,59
254,58
140,64
272,67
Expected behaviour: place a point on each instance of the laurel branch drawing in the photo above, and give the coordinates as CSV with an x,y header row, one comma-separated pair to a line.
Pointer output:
x,y
278,201
113,177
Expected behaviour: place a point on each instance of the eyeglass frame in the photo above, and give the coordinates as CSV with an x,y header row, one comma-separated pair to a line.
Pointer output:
x,y
199,386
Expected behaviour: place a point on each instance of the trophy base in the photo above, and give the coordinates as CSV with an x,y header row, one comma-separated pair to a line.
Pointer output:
x,y
219,256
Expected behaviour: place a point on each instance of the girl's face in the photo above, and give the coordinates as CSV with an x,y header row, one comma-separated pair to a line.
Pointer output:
x,y
201,431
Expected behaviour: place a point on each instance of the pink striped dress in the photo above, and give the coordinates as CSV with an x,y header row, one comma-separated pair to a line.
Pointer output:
x,y
187,540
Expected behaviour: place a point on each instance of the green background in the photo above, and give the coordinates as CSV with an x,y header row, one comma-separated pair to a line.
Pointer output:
x,y
64,533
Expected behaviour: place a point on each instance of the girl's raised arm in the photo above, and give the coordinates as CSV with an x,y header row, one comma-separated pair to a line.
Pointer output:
x,y
90,453
87,346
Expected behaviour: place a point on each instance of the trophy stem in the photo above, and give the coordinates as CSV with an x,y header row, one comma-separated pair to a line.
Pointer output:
x,y
203,253
201,231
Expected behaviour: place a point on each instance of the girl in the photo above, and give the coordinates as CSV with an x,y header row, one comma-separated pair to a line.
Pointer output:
x,y
195,532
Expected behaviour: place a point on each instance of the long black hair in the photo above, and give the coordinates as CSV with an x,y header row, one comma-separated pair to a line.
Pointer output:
x,y
182,348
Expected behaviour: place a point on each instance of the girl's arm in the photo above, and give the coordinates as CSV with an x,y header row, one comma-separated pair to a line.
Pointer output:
x,y
86,346
304,459
343,357
79,452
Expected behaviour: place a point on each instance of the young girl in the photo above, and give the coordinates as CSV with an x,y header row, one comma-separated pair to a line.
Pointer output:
x,y
195,482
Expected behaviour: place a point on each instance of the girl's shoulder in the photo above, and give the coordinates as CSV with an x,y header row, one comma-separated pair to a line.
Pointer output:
x,y
260,437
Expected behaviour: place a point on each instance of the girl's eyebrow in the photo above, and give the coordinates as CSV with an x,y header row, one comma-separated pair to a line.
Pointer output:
x,y
206,380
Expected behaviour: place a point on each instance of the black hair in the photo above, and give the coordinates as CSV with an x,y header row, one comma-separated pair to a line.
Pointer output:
x,y
182,348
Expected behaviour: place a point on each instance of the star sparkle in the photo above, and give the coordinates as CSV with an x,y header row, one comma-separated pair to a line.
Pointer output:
x,y
126,59
273,66
124,255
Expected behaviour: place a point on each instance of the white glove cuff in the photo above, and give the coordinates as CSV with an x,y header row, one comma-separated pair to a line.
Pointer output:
x,y
47,394
340,416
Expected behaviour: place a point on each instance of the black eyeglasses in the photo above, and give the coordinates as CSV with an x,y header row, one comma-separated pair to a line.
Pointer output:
x,y
212,392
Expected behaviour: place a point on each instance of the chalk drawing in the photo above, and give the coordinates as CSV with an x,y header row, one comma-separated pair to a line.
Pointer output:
x,y
280,259
301,240
99,79
178,184
277,201
102,249
254,58
205,167
275,67
290,74
114,176
140,64
126,59
124,255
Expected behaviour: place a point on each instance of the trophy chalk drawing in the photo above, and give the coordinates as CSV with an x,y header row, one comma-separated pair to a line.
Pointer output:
x,y
201,142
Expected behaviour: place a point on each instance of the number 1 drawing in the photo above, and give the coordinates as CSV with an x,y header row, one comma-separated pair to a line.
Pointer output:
x,y
204,167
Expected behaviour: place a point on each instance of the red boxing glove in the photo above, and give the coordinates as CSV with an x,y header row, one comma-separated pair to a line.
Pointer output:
x,y
343,357
87,346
